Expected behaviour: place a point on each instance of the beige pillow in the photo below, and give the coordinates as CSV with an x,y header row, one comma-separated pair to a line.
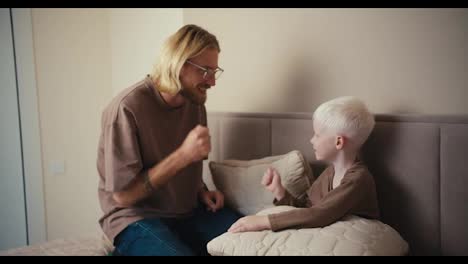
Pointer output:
x,y
352,235
240,180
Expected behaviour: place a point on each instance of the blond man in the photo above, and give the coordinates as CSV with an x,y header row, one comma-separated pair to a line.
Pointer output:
x,y
153,142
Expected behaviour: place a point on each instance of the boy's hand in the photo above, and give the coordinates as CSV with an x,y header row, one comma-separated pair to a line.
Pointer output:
x,y
272,182
251,223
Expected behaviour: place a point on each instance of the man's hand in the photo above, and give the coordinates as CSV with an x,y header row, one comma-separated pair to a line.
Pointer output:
x,y
197,144
272,182
214,200
251,223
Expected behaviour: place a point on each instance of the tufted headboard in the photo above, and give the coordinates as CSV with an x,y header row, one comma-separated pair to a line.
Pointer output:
x,y
418,163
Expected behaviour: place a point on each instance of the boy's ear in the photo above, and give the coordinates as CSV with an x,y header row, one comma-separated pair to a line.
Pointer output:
x,y
340,142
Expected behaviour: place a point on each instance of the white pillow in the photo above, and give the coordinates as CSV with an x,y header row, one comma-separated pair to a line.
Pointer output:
x,y
240,180
350,236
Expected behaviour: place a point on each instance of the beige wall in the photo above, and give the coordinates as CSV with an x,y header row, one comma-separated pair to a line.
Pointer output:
x,y
83,58
397,60
73,81
136,36
275,60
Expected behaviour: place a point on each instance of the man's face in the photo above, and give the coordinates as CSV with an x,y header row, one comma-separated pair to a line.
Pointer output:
x,y
194,84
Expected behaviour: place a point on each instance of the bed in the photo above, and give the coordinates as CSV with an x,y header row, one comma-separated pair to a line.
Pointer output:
x,y
417,161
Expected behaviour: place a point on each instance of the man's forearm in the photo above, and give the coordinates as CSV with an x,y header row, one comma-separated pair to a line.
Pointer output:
x,y
152,179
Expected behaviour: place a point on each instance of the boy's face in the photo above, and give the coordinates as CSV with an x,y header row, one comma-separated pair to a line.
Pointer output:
x,y
324,143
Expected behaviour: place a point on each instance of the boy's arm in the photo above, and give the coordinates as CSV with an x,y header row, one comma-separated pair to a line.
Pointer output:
x,y
303,200
331,208
288,199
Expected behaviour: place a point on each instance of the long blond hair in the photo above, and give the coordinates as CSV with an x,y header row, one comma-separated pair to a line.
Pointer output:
x,y
188,42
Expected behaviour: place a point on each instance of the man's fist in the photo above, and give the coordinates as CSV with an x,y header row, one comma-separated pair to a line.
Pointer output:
x,y
197,144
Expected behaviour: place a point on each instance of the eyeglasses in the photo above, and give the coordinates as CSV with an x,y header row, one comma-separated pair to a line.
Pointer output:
x,y
207,73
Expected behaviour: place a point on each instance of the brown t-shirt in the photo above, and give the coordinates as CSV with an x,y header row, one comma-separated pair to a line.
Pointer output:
x,y
324,205
139,130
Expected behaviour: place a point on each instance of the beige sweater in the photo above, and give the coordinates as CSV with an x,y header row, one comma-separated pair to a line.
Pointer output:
x,y
324,205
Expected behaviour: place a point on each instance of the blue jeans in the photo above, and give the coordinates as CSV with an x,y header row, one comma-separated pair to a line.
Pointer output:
x,y
174,236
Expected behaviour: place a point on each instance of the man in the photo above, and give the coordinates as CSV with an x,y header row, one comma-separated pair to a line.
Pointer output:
x,y
153,142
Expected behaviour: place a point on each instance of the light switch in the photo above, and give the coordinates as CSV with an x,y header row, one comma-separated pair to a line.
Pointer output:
x,y
57,166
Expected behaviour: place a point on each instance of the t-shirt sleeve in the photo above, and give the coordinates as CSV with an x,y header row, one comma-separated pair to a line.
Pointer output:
x,y
331,208
122,159
290,200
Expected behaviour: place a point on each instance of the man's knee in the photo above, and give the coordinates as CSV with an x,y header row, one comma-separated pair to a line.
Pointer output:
x,y
150,238
152,246
228,215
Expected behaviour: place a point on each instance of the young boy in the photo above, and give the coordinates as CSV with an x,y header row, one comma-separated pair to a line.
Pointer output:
x,y
341,126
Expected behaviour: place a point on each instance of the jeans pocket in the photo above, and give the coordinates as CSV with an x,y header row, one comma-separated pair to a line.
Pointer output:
x,y
126,237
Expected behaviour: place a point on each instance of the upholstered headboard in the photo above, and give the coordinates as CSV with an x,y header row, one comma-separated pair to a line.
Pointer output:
x,y
418,163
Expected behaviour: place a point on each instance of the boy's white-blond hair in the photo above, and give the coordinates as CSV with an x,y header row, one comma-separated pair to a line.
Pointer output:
x,y
347,116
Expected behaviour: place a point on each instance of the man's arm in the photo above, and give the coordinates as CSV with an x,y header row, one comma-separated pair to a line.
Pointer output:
x,y
150,180
195,147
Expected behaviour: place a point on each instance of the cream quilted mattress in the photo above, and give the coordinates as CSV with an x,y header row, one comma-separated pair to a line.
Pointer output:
x,y
90,245
351,236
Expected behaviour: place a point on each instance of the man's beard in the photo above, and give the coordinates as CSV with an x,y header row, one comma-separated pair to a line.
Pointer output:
x,y
194,94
